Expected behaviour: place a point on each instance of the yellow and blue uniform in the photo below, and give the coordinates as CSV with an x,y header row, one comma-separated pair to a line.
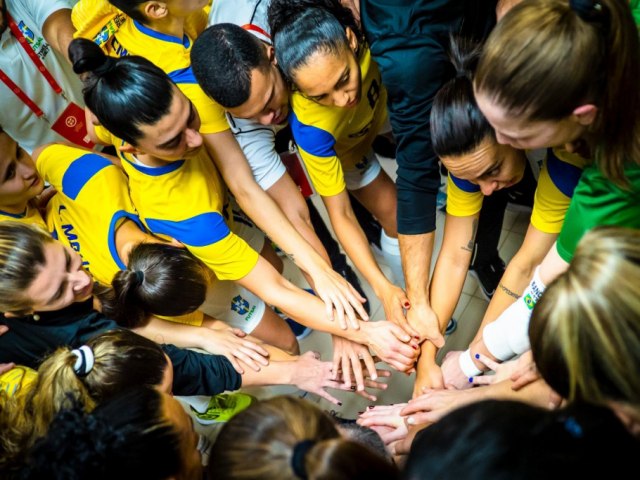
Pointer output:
x,y
31,215
334,140
185,200
18,381
91,203
173,56
558,178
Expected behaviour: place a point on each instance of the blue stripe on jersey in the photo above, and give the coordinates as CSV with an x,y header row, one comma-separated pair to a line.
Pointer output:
x,y
162,36
157,171
312,139
81,171
184,75
563,175
464,185
199,231
54,234
14,215
112,234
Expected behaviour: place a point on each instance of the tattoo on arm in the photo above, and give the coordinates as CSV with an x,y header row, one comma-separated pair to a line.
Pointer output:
x,y
508,292
474,229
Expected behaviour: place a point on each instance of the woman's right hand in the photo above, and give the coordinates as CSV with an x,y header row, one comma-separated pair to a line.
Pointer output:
x,y
391,344
230,342
313,375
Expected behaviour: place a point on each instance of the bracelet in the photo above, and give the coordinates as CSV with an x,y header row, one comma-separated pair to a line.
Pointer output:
x,y
466,364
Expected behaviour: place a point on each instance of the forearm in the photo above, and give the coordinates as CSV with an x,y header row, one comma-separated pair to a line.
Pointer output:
x,y
446,285
416,253
180,335
256,203
355,244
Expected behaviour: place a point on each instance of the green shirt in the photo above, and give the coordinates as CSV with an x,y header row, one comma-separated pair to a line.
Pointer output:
x,y
599,202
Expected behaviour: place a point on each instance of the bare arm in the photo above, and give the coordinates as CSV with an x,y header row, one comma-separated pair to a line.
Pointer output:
x,y
356,246
262,209
518,273
58,31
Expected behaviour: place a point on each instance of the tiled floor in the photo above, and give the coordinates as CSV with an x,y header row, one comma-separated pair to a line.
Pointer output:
x,y
469,312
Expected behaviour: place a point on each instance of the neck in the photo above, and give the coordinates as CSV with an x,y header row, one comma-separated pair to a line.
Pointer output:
x,y
151,161
128,235
15,209
169,25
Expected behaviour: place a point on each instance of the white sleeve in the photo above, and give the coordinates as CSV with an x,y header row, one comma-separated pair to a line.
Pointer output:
x,y
508,335
258,144
40,10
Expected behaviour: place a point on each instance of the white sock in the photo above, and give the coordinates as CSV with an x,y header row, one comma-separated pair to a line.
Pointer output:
x,y
391,253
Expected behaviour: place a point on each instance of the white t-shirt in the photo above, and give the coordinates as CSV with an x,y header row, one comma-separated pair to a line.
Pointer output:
x,y
257,141
15,117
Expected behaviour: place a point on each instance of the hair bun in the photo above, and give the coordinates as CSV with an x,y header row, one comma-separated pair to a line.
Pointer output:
x,y
86,56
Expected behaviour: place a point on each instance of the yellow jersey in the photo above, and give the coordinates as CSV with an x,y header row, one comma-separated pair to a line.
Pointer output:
x,y
91,203
18,381
558,178
31,215
185,200
332,140
123,36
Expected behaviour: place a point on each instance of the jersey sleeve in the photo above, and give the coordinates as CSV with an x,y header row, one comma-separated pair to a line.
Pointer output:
x,y
209,238
463,197
212,115
558,179
201,374
317,150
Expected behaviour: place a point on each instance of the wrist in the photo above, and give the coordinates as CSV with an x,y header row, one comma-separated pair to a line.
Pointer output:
x,y
467,365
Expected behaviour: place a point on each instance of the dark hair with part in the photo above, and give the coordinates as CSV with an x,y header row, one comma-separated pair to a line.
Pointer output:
x,y
457,124
123,93
160,279
301,28
128,436
507,440
270,431
239,51
545,58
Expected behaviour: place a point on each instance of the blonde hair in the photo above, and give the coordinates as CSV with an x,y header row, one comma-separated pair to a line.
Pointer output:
x,y
585,330
123,360
21,256
259,442
544,59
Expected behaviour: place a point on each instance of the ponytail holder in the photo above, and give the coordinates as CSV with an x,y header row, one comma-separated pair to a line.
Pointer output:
x,y
105,67
139,277
84,360
462,74
297,459
588,10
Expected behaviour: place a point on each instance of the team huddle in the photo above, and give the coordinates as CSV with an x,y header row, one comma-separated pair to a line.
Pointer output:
x,y
158,161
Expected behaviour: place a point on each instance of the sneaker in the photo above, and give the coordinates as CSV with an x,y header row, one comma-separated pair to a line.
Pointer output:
x,y
350,276
223,407
488,276
451,327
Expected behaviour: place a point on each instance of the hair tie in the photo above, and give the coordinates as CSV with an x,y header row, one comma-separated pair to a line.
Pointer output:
x,y
297,459
139,277
462,74
105,67
588,10
84,360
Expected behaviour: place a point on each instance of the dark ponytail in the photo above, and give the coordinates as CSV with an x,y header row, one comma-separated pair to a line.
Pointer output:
x,y
160,280
547,57
300,28
123,93
457,124
128,436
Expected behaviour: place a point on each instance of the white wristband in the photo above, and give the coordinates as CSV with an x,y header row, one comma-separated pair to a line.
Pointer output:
x,y
466,364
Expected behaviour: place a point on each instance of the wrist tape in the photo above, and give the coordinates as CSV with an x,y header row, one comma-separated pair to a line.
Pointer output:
x,y
508,335
466,364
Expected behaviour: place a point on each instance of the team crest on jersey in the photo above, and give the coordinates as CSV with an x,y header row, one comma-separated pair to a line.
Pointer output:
x,y
37,44
239,305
